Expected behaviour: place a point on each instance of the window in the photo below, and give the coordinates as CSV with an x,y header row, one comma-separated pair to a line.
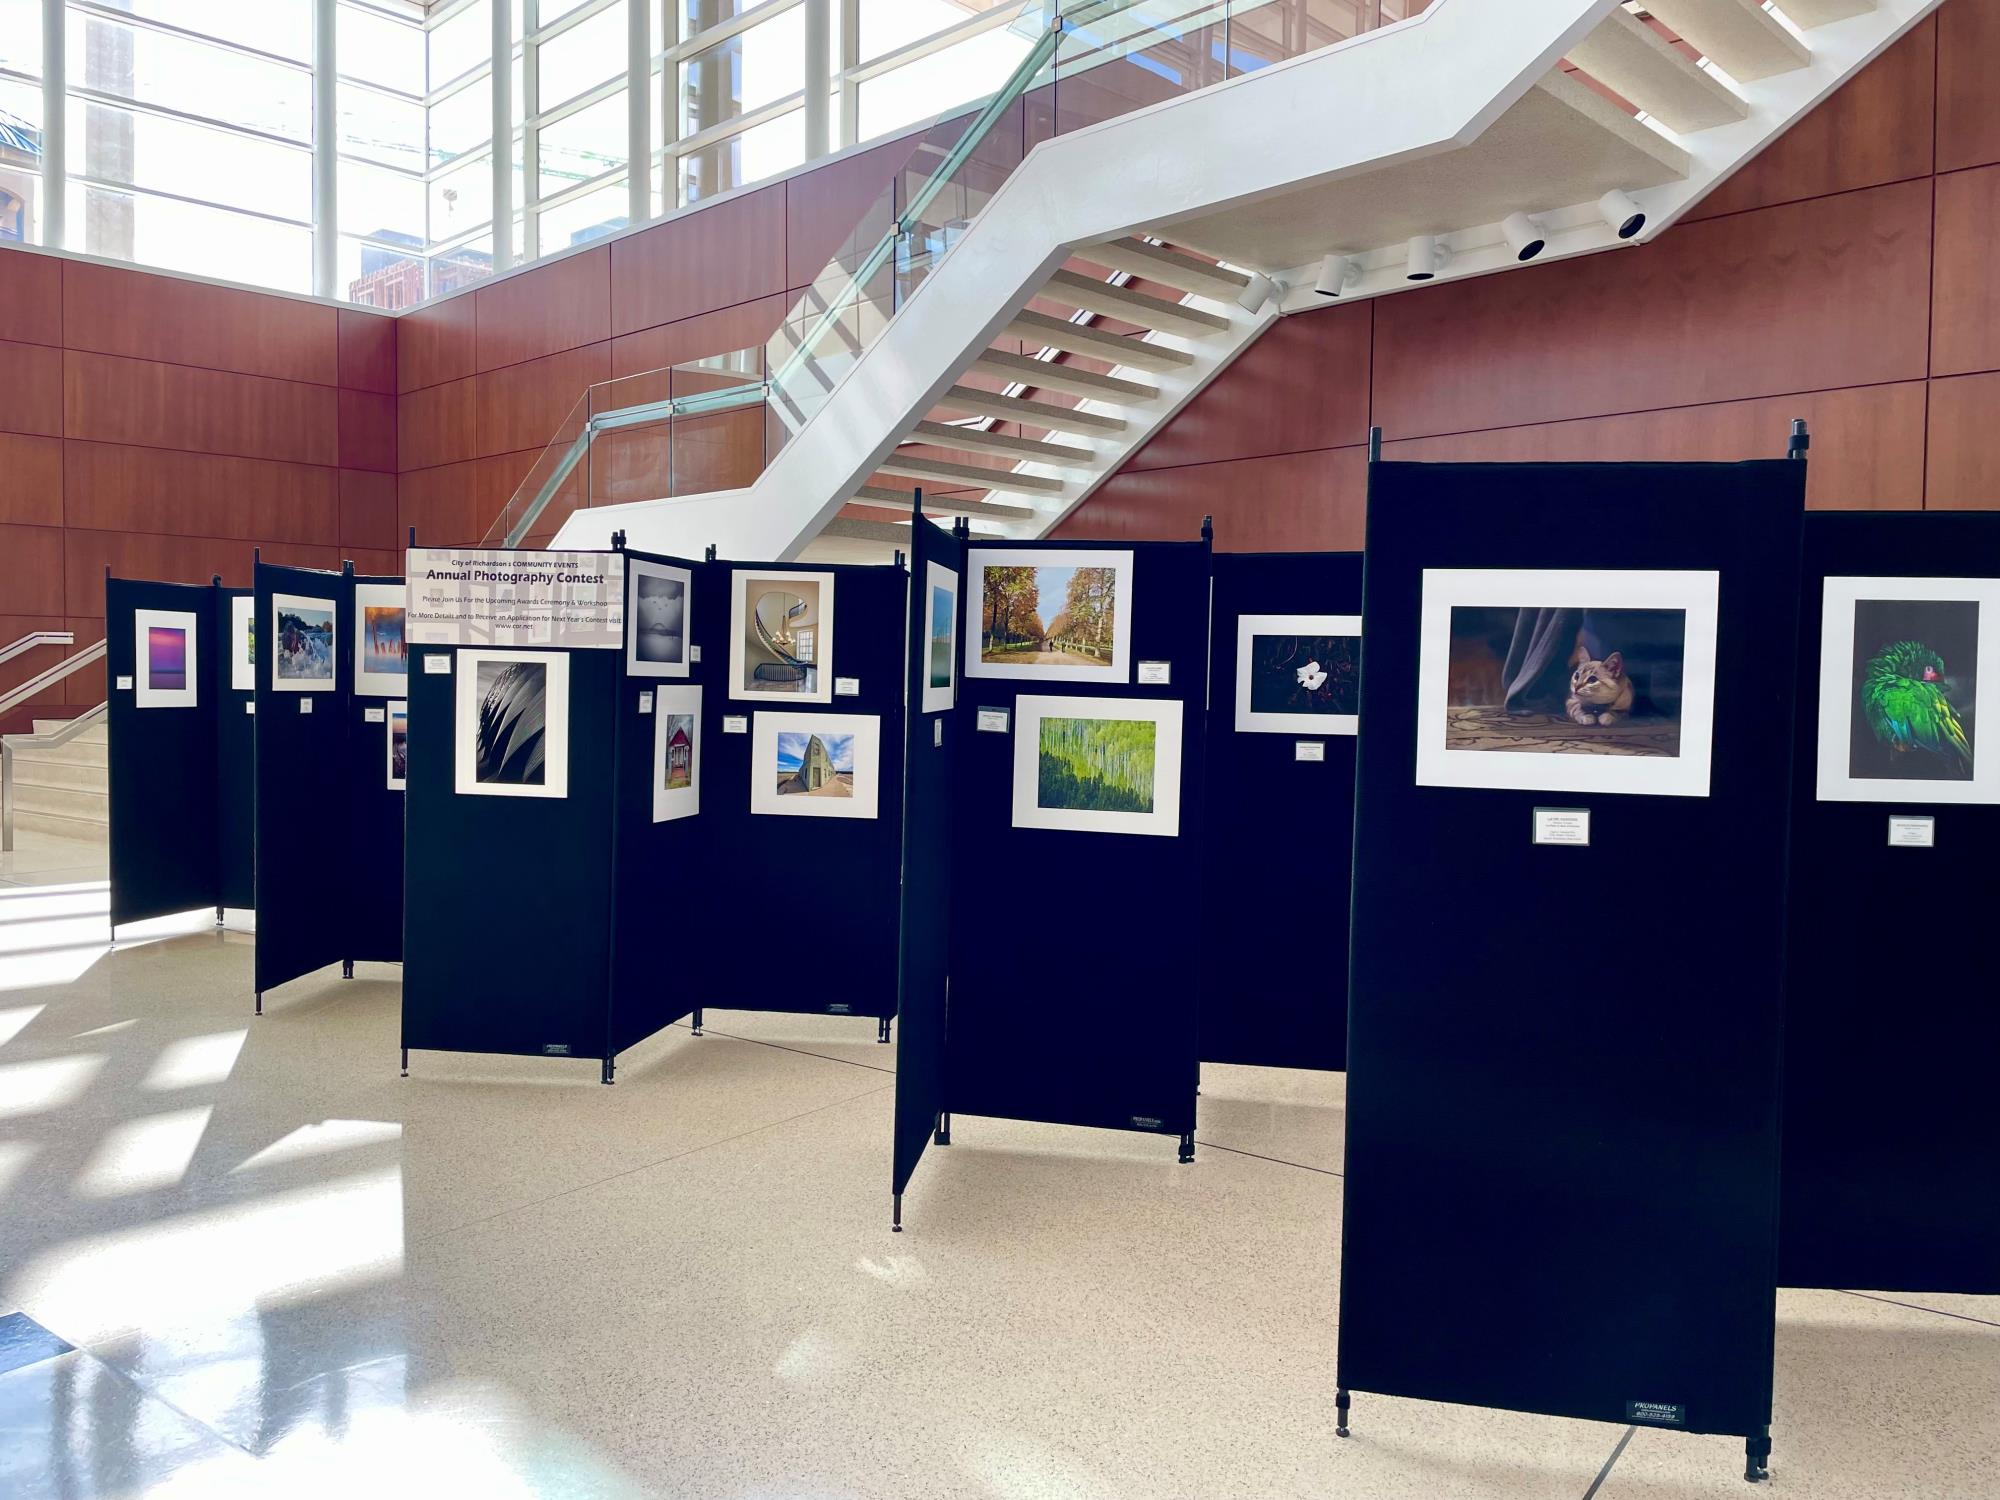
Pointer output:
x,y
462,122
132,148
589,53
461,42
741,75
761,151
145,66
21,37
590,216
179,236
583,145
372,48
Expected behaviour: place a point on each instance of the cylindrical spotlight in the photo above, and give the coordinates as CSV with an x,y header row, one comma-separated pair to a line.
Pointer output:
x,y
1524,236
1624,216
1427,256
1335,273
1253,297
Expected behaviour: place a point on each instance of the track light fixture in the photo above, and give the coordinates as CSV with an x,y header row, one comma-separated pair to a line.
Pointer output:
x,y
1524,236
1428,255
1624,216
1336,274
1253,297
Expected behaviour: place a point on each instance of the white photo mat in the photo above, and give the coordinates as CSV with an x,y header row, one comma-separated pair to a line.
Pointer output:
x,y
680,801
299,603
939,579
1248,628
1836,690
766,726
555,725
144,693
242,659
369,684
1163,713
739,618
1120,564
1683,775
636,569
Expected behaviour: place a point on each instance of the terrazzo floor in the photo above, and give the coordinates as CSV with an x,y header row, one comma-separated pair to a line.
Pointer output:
x,y
272,1267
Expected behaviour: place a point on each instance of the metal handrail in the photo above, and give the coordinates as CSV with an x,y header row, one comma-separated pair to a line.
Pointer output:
x,y
37,638
42,740
17,696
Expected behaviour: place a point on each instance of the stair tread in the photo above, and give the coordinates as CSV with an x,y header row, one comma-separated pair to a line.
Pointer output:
x,y
1093,295
1043,414
1806,14
1055,377
1119,348
997,479
1739,36
951,505
1635,62
1164,264
945,435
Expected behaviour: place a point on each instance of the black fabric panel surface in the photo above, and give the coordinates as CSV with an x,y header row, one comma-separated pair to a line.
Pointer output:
x,y
303,875
802,912
1066,1015
1891,1137
658,953
507,937
164,855
235,766
1563,1063
1279,854
927,844
375,828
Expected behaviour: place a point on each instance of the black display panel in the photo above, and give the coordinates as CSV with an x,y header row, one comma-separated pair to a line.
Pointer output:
x,y
1890,1030
235,760
1284,686
1564,1058
1074,990
931,743
375,824
164,825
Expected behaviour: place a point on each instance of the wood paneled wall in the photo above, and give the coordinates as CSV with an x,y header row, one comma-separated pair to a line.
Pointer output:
x,y
170,428
1846,275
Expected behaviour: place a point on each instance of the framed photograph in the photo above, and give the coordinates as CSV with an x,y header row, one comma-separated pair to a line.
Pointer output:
x,y
243,643
1297,674
1098,765
302,644
656,624
398,739
676,752
1904,666
815,765
941,638
1053,615
381,657
1567,680
781,636
164,675
512,736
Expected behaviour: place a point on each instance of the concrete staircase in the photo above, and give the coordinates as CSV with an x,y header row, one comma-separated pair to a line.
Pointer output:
x,y
66,790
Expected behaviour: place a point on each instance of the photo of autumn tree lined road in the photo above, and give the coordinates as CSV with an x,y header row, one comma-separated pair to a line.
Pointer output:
x,y
1049,617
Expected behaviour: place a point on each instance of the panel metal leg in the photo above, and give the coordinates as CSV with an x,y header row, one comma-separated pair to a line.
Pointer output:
x,y
609,1068
1341,1402
882,1030
1757,1457
943,1136
897,1223
218,916
347,968
406,1062
1187,1148
260,1002
697,1020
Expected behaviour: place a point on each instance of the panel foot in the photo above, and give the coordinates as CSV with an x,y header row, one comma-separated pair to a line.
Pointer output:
x,y
943,1135
1757,1457
347,968
696,1018
882,1030
609,1069
260,1002
218,916
406,1062
896,1223
1341,1402
1187,1148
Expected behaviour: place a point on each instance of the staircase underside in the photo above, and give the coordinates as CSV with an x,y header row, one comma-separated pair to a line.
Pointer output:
x,y
1106,282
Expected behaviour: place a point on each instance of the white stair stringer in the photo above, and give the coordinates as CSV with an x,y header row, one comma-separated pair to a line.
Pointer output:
x,y
1436,126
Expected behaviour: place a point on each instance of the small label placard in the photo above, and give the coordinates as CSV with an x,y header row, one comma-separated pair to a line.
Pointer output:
x,y
646,702
305,705
437,663
250,707
1656,1413
735,723
124,684
1562,825
1156,673
992,721
1308,749
555,1049
694,653
937,731
1145,1122
847,687
1908,832
840,1008
371,715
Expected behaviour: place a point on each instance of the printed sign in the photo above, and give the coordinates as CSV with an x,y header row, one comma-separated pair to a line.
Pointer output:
x,y
1562,825
1155,673
992,721
1912,832
1308,749
481,596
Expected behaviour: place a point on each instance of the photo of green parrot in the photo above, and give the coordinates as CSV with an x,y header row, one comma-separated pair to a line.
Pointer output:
x,y
1907,700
